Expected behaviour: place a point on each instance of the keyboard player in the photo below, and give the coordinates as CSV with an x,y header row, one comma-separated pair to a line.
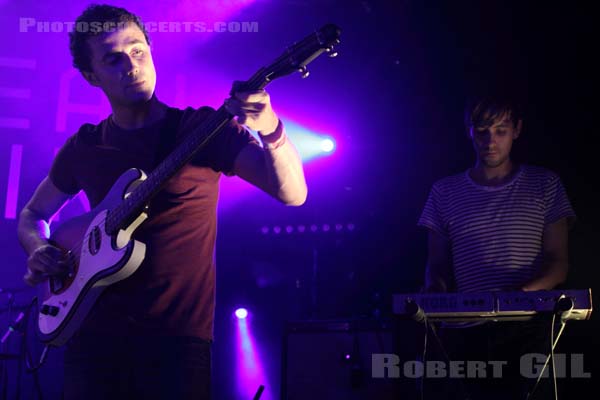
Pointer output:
x,y
499,225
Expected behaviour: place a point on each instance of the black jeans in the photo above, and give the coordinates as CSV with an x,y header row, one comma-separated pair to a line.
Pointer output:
x,y
502,343
100,367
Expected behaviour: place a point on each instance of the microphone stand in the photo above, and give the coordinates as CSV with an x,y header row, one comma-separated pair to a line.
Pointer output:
x,y
20,327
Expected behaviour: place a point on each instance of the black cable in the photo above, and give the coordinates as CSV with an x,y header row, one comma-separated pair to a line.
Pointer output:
x,y
27,352
36,380
552,355
447,357
42,360
422,388
419,315
20,367
259,392
23,347
20,327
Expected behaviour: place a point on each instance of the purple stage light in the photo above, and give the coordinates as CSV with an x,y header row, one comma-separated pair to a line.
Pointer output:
x,y
249,372
241,313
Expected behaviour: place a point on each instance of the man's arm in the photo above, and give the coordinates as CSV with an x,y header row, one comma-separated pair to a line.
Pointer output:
x,y
555,262
44,259
276,168
438,272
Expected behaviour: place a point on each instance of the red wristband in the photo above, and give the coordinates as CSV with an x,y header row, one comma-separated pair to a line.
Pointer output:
x,y
275,139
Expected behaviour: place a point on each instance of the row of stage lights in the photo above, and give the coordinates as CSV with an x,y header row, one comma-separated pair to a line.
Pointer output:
x,y
313,228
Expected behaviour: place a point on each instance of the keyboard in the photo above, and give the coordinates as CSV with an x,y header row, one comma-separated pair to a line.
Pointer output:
x,y
496,305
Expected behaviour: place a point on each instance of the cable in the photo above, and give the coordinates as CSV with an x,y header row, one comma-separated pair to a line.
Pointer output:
x,y
20,327
418,314
562,326
439,341
27,352
34,372
564,306
261,388
28,367
422,389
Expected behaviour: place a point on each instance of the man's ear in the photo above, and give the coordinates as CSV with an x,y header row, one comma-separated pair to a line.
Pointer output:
x,y
91,78
518,129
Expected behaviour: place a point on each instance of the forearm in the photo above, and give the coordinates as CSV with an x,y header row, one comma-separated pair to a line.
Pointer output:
x,y
553,273
284,168
32,231
437,279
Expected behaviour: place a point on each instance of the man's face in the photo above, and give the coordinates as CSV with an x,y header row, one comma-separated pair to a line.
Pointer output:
x,y
493,144
122,66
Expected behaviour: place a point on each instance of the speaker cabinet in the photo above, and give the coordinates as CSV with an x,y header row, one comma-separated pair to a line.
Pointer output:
x,y
332,360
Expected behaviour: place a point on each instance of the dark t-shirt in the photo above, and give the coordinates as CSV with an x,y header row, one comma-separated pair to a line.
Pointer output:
x,y
172,292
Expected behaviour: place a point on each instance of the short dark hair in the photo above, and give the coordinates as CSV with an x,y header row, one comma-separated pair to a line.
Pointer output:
x,y
483,110
95,20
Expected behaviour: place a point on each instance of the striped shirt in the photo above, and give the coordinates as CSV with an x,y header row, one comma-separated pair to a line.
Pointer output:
x,y
495,232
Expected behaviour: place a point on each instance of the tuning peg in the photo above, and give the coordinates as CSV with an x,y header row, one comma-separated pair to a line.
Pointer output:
x,y
331,51
304,71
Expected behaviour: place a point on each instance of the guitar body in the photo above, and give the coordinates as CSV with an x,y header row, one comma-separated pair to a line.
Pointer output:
x,y
99,261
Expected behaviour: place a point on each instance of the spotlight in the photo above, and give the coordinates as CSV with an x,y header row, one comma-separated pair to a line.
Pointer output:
x,y
241,313
327,145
